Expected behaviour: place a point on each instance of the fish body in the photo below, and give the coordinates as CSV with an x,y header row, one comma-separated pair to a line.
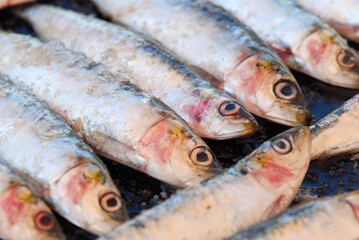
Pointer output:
x,y
336,134
118,120
304,41
258,187
55,162
23,215
340,14
201,105
329,218
221,49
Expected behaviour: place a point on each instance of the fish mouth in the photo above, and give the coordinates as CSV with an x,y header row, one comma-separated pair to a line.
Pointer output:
x,y
351,77
299,119
247,130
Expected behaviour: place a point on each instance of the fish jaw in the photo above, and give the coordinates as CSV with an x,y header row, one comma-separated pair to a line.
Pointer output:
x,y
249,127
280,164
267,88
215,115
172,149
27,216
327,57
84,191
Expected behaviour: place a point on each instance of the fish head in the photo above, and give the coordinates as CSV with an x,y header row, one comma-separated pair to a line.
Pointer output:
x,y
283,160
328,57
215,115
90,198
30,215
268,89
182,157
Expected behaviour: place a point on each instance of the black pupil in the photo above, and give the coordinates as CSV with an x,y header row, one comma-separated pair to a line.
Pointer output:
x,y
112,202
45,220
230,107
281,144
202,157
287,91
348,58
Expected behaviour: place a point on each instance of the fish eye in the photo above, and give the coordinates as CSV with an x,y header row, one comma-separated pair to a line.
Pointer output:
x,y
201,156
44,221
282,146
228,108
347,58
110,202
285,89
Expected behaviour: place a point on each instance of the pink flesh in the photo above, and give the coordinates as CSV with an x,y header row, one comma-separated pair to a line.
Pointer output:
x,y
77,186
159,141
198,111
274,173
317,50
247,77
283,52
355,208
11,206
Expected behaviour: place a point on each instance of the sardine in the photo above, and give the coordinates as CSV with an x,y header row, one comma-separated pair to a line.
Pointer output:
x,y
208,111
258,187
115,118
304,41
23,215
336,134
330,218
221,49
8,3
56,163
340,14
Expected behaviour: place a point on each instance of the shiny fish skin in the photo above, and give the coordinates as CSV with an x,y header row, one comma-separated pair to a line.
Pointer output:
x,y
55,162
201,105
221,49
23,215
330,218
258,187
304,41
336,134
116,119
340,14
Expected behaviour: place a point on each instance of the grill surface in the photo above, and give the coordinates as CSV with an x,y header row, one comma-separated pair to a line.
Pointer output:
x,y
142,192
